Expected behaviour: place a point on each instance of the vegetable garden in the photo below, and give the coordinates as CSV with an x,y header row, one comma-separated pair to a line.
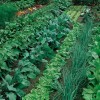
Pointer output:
x,y
49,50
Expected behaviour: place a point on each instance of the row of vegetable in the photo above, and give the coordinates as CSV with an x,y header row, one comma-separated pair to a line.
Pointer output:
x,y
9,9
43,40
75,11
74,73
52,72
92,92
26,43
19,4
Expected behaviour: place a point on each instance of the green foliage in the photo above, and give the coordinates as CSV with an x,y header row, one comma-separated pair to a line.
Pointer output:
x,y
42,1
20,42
37,20
7,12
52,71
29,40
19,4
67,89
85,1
74,76
11,87
22,4
14,84
62,4
92,92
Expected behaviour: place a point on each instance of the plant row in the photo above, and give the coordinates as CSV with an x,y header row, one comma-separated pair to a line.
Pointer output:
x,y
8,10
38,19
20,4
22,40
74,74
19,23
29,51
52,72
75,11
92,92
21,56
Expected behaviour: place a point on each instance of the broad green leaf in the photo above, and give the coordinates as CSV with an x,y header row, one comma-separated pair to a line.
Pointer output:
x,y
97,88
87,96
20,93
11,88
8,78
36,70
98,95
45,61
43,40
11,96
31,75
95,55
4,66
26,54
25,83
88,91
26,69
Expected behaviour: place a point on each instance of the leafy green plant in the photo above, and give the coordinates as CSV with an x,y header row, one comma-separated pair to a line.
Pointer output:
x,y
22,4
76,74
67,89
52,72
28,69
21,41
14,84
38,20
11,86
92,92
62,4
